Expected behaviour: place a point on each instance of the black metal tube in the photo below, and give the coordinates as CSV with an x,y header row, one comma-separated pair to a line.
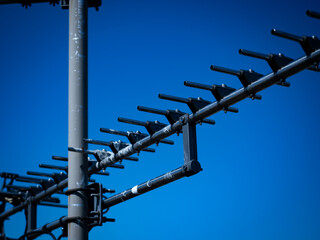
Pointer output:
x,y
224,70
60,158
53,167
39,174
208,121
151,110
112,131
23,188
11,194
97,142
131,121
286,35
253,54
231,109
30,180
173,98
144,187
313,14
199,85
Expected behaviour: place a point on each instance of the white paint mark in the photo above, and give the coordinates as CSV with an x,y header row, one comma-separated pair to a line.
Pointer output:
x,y
134,190
76,205
167,129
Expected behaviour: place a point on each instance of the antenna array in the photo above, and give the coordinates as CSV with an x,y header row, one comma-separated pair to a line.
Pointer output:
x,y
41,188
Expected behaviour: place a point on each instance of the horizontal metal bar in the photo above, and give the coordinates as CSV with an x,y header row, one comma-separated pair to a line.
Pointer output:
x,y
253,54
151,110
313,14
23,188
208,121
65,168
102,173
286,35
60,158
97,142
173,98
39,174
224,70
11,194
115,132
231,109
199,85
131,121
144,187
31,179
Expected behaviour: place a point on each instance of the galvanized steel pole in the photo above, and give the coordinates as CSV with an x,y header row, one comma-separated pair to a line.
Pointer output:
x,y
78,119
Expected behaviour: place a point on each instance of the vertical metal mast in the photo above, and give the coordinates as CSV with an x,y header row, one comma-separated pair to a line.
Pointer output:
x,y
78,119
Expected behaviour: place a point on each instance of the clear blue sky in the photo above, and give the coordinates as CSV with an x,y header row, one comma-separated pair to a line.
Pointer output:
x,y
261,166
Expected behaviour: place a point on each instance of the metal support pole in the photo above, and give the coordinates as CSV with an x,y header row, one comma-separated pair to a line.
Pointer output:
x,y
190,153
2,208
189,142
31,216
78,119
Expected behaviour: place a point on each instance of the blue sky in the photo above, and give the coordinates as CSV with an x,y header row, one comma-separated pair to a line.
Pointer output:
x,y
261,166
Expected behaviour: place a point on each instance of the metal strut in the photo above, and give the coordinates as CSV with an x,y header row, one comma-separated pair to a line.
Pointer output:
x,y
190,167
